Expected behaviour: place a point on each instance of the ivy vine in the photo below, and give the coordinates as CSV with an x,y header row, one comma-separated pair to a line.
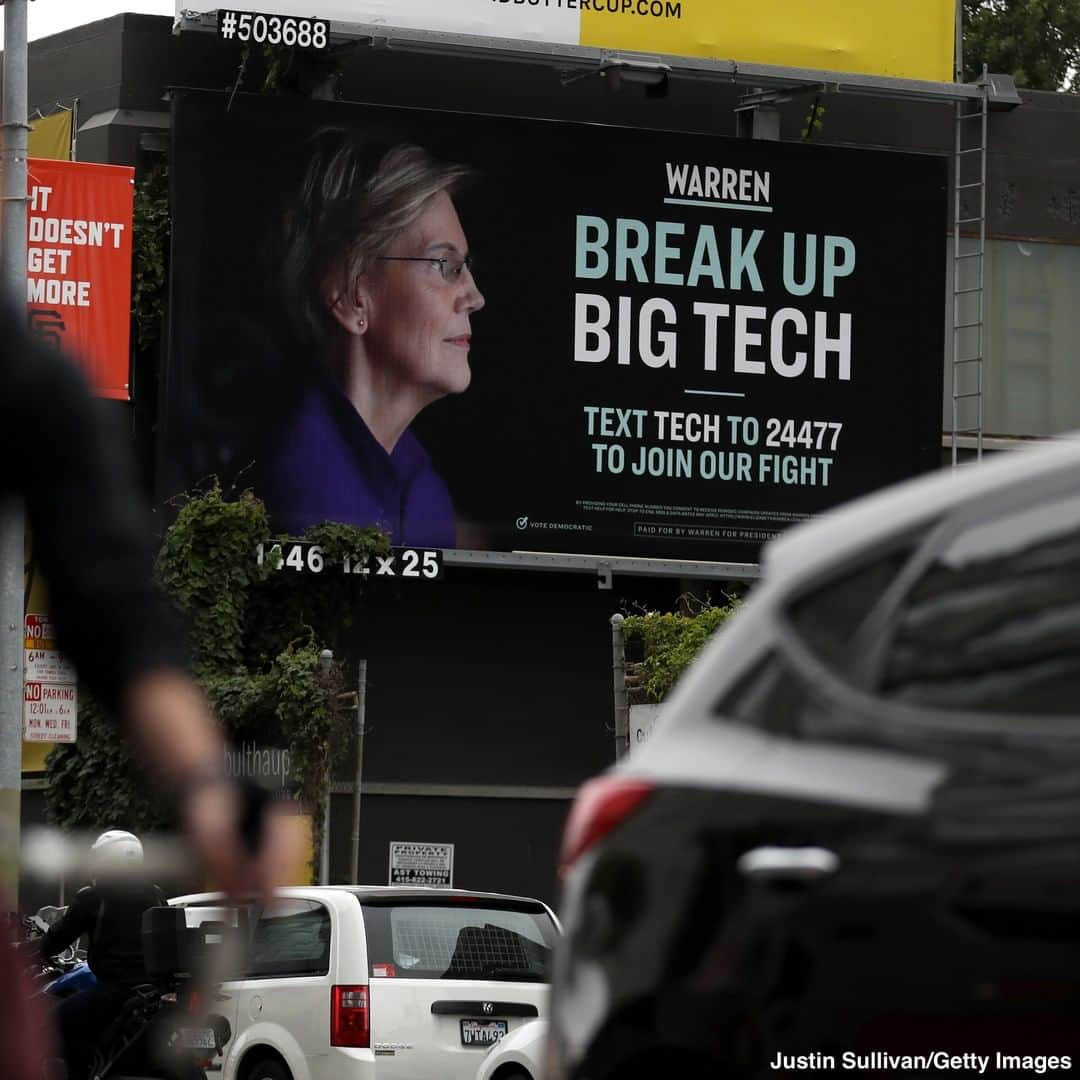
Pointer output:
x,y
668,643
150,260
256,635
314,73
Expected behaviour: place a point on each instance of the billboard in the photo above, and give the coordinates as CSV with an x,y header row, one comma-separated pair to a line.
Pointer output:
x,y
911,39
78,266
660,344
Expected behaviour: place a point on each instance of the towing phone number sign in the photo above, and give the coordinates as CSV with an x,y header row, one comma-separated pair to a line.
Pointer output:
x,y
416,863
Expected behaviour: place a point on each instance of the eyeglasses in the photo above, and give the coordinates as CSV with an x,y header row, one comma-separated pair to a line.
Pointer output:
x,y
450,266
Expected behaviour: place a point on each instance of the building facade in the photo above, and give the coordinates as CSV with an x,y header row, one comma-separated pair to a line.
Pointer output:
x,y
489,693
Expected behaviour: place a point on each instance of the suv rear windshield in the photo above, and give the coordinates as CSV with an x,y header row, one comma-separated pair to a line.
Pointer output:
x,y
459,940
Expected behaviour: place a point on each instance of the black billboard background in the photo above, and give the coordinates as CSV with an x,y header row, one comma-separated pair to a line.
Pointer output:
x,y
514,448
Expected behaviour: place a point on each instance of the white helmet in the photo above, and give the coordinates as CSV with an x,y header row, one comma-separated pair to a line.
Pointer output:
x,y
117,845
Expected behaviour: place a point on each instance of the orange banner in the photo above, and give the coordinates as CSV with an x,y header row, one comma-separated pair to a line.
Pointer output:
x,y
78,266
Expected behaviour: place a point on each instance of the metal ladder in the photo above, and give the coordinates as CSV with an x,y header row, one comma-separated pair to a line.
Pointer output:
x,y
969,269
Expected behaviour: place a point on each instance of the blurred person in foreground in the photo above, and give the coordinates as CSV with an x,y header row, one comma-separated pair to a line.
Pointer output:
x,y
92,534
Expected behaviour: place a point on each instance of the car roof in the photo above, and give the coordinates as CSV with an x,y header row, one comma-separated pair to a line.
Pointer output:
x,y
847,530
381,893
413,892
843,537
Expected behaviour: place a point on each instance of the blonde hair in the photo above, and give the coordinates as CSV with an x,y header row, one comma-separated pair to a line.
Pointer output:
x,y
356,197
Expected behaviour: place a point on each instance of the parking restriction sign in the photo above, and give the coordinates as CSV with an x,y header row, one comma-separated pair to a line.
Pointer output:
x,y
50,689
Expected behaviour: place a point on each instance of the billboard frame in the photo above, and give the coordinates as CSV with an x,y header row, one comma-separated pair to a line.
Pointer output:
x,y
588,59
766,82
604,566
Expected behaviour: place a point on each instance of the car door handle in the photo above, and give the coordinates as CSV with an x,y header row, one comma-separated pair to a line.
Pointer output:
x,y
483,1008
787,863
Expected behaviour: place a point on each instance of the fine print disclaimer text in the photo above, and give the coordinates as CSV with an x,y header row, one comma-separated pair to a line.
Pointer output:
x,y
939,1061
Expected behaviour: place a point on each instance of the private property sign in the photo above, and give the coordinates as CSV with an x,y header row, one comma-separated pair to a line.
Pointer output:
x,y
50,691
78,266
418,863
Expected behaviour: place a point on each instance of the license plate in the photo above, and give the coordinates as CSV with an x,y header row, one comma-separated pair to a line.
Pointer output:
x,y
198,1038
482,1032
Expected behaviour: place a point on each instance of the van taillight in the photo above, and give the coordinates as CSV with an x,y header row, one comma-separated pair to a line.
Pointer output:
x,y
601,804
350,1019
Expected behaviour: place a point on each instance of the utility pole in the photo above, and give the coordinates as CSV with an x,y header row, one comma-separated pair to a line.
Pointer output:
x,y
361,731
326,660
618,668
13,132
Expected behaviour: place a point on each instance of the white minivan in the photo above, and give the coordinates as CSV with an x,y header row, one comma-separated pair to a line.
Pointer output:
x,y
381,982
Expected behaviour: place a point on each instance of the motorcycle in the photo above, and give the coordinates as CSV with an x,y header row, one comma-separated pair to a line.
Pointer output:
x,y
62,975
161,1032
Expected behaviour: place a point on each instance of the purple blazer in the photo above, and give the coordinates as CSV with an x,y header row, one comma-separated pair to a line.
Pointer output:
x,y
328,466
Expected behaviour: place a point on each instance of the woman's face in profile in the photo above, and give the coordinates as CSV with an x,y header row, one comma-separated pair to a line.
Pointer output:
x,y
418,322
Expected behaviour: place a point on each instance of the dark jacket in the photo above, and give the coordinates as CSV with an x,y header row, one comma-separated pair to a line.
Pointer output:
x,y
90,525
111,917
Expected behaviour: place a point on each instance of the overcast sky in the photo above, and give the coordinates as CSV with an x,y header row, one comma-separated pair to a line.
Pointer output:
x,y
51,16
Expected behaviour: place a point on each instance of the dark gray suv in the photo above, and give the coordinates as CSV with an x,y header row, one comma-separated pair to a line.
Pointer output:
x,y
852,843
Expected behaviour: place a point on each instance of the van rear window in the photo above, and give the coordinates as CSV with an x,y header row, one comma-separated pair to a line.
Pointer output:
x,y
459,941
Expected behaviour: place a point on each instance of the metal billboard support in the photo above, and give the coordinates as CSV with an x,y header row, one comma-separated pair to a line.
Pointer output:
x,y
969,269
603,566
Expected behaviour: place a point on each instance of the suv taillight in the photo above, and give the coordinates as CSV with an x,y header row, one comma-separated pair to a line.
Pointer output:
x,y
601,804
350,1018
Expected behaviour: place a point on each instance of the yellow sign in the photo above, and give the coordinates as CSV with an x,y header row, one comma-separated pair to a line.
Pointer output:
x,y
35,598
909,39
50,136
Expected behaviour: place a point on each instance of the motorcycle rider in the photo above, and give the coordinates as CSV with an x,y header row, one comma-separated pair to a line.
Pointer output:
x,y
109,911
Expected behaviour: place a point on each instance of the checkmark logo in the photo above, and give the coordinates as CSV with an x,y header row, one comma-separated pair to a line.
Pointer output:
x,y
522,522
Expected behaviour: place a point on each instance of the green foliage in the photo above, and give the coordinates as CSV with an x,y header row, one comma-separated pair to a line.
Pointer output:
x,y
256,633
94,783
1035,41
670,643
305,72
814,123
150,243
207,566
